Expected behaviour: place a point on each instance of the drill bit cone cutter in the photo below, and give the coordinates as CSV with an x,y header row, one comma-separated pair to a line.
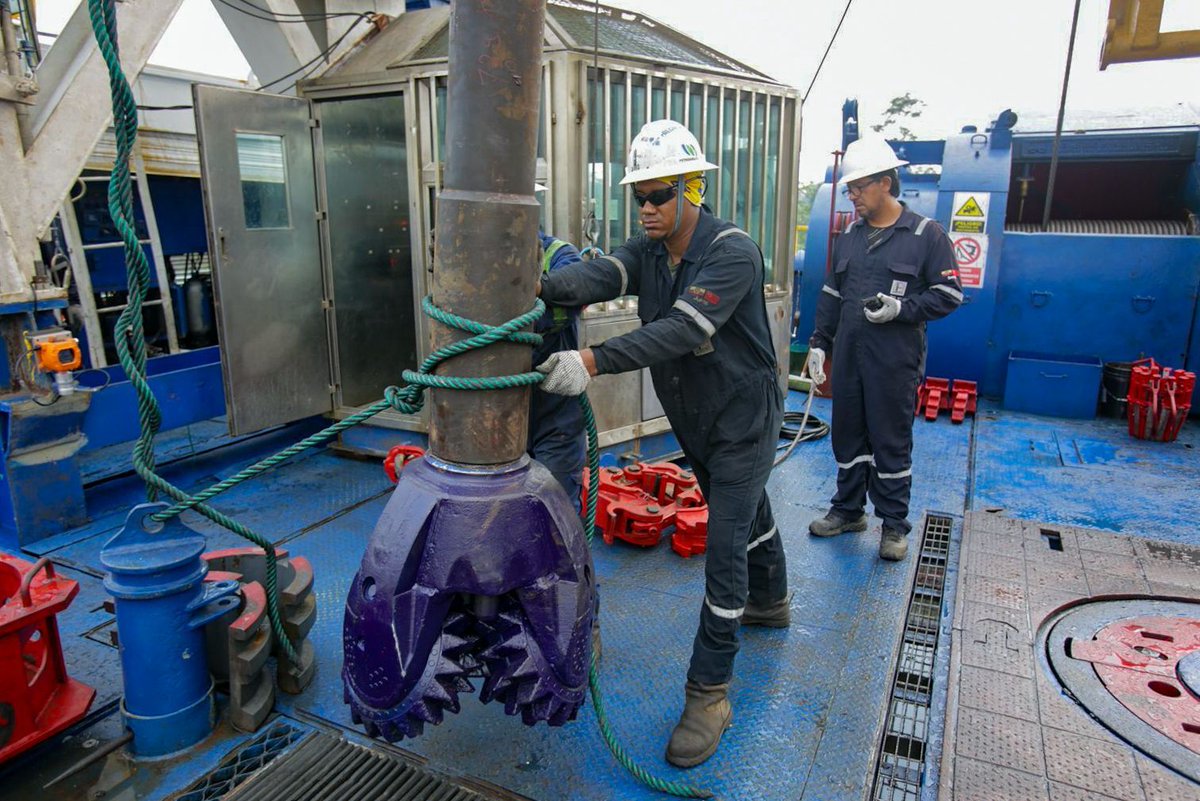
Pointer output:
x,y
479,566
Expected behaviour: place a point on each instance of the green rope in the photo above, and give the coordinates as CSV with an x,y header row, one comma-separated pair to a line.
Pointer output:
x,y
130,337
131,351
606,731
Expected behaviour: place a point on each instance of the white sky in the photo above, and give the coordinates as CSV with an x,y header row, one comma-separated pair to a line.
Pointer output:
x,y
966,60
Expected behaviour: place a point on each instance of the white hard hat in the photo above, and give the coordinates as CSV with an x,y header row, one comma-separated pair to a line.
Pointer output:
x,y
868,155
538,188
663,149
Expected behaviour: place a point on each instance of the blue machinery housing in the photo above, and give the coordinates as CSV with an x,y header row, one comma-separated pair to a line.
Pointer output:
x,y
1115,277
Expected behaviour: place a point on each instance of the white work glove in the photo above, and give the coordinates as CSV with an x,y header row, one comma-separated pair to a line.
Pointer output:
x,y
889,311
565,373
816,365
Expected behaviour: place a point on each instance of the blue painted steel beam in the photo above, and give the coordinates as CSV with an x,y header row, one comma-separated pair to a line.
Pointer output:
x,y
23,306
41,490
188,387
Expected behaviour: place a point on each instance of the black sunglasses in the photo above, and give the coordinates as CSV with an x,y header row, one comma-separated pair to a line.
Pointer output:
x,y
656,198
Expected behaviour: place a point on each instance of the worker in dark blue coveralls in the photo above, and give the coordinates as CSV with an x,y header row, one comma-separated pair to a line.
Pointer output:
x,y
556,437
707,342
893,271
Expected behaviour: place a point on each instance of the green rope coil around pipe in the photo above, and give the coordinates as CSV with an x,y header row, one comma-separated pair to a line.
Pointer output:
x,y
131,352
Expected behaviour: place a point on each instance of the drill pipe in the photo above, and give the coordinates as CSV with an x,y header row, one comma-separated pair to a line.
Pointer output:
x,y
486,265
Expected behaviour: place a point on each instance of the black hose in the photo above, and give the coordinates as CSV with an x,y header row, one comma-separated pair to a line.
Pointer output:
x,y
815,428
804,427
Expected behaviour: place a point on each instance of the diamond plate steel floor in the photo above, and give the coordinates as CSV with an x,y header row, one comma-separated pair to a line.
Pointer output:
x,y
809,701
810,698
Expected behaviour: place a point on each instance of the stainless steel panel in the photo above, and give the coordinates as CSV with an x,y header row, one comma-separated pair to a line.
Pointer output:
x,y
651,407
267,278
779,318
365,158
616,399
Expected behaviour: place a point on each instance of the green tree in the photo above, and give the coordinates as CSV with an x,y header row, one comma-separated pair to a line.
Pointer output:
x,y
901,110
805,193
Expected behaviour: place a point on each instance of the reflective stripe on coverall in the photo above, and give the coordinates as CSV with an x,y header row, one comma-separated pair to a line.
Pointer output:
x,y
876,367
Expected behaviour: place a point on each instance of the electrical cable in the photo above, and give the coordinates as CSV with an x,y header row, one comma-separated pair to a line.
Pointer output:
x,y
829,47
310,65
267,15
26,371
105,373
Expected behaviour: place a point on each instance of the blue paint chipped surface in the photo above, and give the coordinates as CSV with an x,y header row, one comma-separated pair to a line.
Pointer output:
x,y
1088,473
809,702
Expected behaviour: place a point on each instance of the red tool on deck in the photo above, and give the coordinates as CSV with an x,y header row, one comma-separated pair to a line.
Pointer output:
x,y
37,697
964,396
1159,400
933,396
936,394
645,500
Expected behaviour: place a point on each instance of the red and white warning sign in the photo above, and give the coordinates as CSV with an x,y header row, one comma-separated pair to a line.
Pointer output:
x,y
970,254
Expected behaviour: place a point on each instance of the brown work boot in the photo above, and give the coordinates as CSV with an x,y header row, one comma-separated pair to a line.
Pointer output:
x,y
893,545
776,616
706,716
833,524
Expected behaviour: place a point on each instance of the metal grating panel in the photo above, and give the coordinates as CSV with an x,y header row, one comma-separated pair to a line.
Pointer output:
x,y
437,47
622,32
632,34
900,771
239,766
328,768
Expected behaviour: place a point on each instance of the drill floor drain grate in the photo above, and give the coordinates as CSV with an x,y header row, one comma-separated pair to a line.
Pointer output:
x,y
900,769
327,768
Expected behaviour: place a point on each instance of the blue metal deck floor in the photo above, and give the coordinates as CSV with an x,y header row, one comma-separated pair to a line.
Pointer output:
x,y
808,701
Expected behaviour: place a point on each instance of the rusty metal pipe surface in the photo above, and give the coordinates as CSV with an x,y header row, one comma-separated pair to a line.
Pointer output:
x,y
486,261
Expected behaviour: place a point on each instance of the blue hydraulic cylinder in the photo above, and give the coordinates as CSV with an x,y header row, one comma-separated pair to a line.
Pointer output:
x,y
156,574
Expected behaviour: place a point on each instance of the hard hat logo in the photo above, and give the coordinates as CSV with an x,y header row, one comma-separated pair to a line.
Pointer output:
x,y
664,149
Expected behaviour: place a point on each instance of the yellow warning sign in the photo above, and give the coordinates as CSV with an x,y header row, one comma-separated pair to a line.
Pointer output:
x,y
970,209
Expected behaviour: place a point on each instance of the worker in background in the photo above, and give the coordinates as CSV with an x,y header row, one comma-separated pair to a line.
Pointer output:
x,y
893,270
556,437
706,340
